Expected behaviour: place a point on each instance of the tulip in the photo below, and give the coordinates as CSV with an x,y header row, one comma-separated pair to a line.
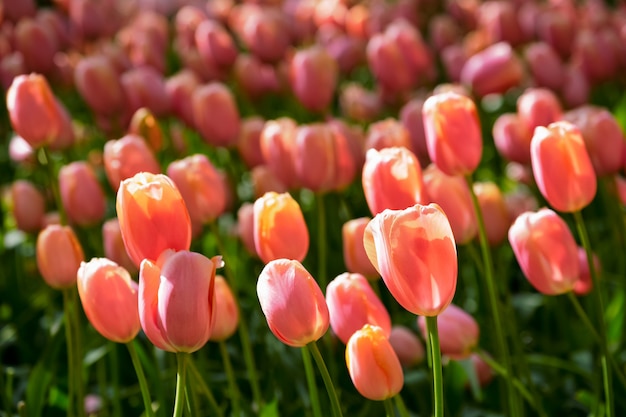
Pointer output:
x,y
113,245
245,227
153,217
81,194
249,141
458,332
144,124
36,44
177,300
255,77
313,76
263,181
28,206
201,187
360,104
216,115
519,201
453,135
411,119
98,83
292,303
414,252
494,211
443,31
226,311
125,157
387,133
145,87
575,90
392,179
538,107
546,251
180,88
59,255
21,152
584,284
407,345
109,298
545,65
352,303
279,228
215,44
33,110
354,255
373,365
511,138
562,168
264,31
278,142
484,373
500,21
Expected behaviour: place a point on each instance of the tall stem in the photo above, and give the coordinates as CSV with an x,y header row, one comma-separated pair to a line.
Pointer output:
x,y
328,382
321,241
389,412
71,379
54,185
179,405
235,397
115,376
217,411
598,305
78,351
435,360
503,351
310,379
141,377
401,407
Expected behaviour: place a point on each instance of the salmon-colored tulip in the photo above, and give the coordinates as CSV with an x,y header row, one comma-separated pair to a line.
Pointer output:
x,y
245,227
584,284
28,206
546,251
125,157
216,115
511,138
352,303
453,135
407,345
494,211
113,245
98,83
249,141
387,133
109,298
458,332
278,143
562,168
279,228
292,302
392,179
144,124
538,107
59,255
313,76
81,193
354,256
415,253
226,311
153,216
373,365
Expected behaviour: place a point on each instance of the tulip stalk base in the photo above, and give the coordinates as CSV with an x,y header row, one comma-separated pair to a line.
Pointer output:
x,y
389,411
310,379
235,397
141,377
179,405
75,384
435,362
204,388
328,382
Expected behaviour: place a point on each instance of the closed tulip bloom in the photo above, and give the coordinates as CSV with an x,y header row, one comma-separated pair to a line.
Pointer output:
x,y
245,227
392,179
407,345
352,303
414,252
354,256
153,217
33,109
81,193
313,76
494,211
226,311
511,138
109,297
545,251
264,31
458,332
37,45
144,124
411,119
387,133
180,88
538,107
145,87
263,181
216,115
545,65
255,77
562,168
215,44
358,103
98,83
373,365
125,157
278,142
201,187
279,228
249,141
177,300
59,255
28,206
453,135
113,245
292,303
484,373
576,88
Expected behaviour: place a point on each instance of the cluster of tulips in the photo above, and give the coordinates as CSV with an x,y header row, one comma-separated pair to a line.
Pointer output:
x,y
165,164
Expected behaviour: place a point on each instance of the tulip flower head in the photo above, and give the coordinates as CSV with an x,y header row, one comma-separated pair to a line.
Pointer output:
x,y
458,332
354,255
59,255
415,253
407,345
226,311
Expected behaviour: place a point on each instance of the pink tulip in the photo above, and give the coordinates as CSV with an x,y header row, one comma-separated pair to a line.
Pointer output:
x,y
215,44
28,206
249,141
545,65
59,255
216,115
511,138
407,345
354,255
584,284
538,107
113,245
99,84
180,88
278,142
387,133
226,311
458,332
494,211
81,193
313,75
125,157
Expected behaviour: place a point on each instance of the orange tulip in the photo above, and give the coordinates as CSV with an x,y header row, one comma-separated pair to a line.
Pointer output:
x,y
414,252
373,365
279,228
59,255
226,311
153,216
562,168
354,255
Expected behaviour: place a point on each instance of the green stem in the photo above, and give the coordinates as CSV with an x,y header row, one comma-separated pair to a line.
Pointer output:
x,y
54,186
435,352
143,383
235,397
401,406
494,304
328,382
71,377
598,305
78,353
115,376
321,241
389,408
179,405
217,411
310,379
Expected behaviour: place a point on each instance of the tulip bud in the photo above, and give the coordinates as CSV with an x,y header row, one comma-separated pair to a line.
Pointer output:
x,y
255,77
144,124
145,87
113,245
499,20
180,88
81,193
538,107
387,133
313,76
215,45
443,31
153,217
264,31
292,303
59,255
392,179
360,104
354,255
177,300
216,115
98,83
278,142
28,206
249,142
245,227
37,45
373,365
584,284
562,168
546,251
352,303
125,157
264,181
279,228
575,90
453,134
519,201
407,345
495,69
109,298
494,211
511,138
458,332
545,65
226,311
411,119
414,252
